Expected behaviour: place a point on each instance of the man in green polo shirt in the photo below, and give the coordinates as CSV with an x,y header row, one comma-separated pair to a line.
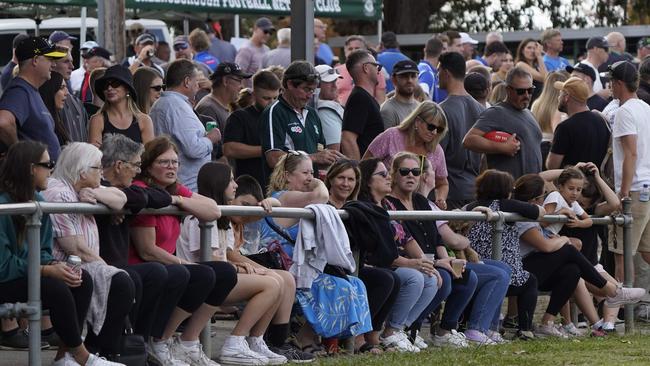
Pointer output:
x,y
289,124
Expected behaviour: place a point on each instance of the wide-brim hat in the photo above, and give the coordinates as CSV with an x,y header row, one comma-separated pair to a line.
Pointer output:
x,y
119,73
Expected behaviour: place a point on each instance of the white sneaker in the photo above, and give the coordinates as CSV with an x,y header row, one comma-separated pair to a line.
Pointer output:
x,y
496,337
161,352
549,330
572,331
400,341
625,295
257,344
452,339
94,360
192,355
419,342
66,360
478,337
235,351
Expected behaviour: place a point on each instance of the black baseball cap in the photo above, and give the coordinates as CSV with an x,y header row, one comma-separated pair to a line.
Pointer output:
x,y
582,68
98,51
265,24
623,71
229,68
35,46
404,67
597,42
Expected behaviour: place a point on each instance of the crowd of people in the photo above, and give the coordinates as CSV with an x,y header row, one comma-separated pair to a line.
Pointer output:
x,y
528,133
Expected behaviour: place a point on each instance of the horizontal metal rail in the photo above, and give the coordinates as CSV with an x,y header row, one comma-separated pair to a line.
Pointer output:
x,y
34,211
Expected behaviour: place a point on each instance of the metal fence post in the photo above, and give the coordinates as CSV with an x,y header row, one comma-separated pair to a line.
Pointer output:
x,y
496,236
628,262
206,256
34,285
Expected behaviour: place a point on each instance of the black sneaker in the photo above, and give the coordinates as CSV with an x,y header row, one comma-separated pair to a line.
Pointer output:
x,y
18,340
293,354
52,339
510,322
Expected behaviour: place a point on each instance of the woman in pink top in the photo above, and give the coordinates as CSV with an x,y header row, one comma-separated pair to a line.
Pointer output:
x,y
420,133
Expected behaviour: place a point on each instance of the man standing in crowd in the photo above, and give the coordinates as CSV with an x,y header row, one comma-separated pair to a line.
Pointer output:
x,y
362,118
7,71
596,56
23,115
182,50
172,115
583,137
345,83
61,39
200,43
251,55
145,49
631,137
75,118
289,124
617,50
520,154
219,48
242,136
644,81
390,55
455,44
77,76
552,42
468,46
324,51
462,112
226,84
643,48
281,55
587,74
405,79
493,54
96,57
330,111
428,72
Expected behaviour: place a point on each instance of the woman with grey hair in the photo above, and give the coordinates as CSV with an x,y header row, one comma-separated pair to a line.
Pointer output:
x,y
76,178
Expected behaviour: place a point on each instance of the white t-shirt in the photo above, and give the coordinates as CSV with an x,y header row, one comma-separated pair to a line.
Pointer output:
x,y
632,119
188,243
560,203
598,86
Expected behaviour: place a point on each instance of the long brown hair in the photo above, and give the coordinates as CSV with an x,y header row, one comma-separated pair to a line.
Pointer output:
x,y
142,80
212,180
339,167
152,150
520,52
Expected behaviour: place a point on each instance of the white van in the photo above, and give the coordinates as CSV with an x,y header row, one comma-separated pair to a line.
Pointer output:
x,y
9,28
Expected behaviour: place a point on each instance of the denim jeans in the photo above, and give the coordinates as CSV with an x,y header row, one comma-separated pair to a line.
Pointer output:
x,y
416,292
493,279
457,295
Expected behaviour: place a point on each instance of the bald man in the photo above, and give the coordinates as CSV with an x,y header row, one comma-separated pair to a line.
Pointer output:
x,y
617,47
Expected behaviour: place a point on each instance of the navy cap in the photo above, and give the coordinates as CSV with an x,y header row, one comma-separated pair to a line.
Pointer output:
x,y
623,71
582,68
58,36
405,66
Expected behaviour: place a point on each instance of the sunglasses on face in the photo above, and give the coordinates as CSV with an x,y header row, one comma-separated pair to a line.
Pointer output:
x,y
158,87
46,164
180,47
432,127
522,91
113,83
405,171
268,31
378,66
383,174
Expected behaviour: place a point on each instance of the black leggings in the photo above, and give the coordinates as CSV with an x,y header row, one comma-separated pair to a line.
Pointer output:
x,y
526,301
177,279
120,300
382,286
559,273
68,305
149,280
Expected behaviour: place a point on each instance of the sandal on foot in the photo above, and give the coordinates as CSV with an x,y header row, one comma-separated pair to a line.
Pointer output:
x,y
373,349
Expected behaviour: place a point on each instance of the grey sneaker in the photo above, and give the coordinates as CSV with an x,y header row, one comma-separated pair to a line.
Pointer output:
x,y
18,340
625,295
549,330
293,354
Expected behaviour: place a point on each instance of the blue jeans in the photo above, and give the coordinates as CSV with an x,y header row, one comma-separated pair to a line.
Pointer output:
x,y
493,279
457,295
416,292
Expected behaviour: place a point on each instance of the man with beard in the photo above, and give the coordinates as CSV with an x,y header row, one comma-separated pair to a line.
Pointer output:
x,y
520,153
404,78
583,137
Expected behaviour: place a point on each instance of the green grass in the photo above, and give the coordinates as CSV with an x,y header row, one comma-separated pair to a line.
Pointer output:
x,y
611,350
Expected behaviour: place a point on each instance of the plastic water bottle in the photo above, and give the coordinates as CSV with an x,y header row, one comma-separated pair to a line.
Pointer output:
x,y
644,196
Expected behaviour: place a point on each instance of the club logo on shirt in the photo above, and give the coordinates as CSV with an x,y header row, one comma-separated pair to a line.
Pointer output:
x,y
296,129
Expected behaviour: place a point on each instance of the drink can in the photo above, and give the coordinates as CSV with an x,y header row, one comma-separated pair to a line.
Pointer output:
x,y
210,125
74,262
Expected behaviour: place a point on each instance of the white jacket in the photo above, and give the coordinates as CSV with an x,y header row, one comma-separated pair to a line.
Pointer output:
x,y
320,242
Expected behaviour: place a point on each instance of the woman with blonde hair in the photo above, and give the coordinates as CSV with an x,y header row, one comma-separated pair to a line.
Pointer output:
x,y
120,113
498,93
419,133
545,110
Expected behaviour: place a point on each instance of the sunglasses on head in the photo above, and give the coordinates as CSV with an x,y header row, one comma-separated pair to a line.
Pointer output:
x,y
521,91
46,164
158,87
405,171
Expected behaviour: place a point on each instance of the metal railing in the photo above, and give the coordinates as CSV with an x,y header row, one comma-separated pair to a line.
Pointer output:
x,y
34,211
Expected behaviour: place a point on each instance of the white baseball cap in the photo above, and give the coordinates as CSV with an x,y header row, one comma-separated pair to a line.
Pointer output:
x,y
88,45
328,73
465,38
